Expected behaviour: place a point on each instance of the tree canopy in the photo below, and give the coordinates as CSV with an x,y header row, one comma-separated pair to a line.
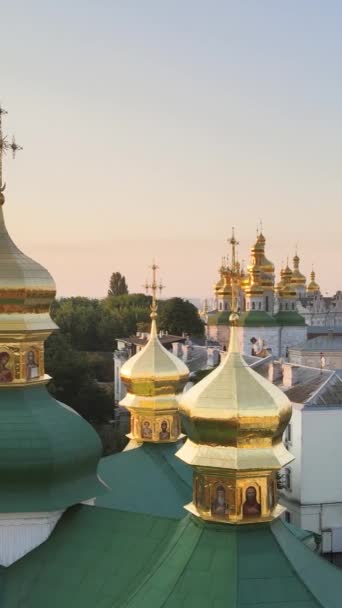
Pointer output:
x,y
117,285
94,325
178,316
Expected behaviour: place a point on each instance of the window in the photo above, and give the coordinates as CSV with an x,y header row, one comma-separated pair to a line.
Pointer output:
x,y
226,305
288,517
266,304
286,306
220,305
288,479
253,305
259,305
293,306
289,433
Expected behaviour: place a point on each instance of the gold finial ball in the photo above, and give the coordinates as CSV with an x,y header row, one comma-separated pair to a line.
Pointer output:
x,y
233,317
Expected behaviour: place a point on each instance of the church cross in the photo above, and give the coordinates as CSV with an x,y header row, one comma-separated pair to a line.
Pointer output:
x,y
4,146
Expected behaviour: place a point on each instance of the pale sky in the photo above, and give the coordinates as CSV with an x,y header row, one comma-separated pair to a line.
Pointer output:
x,y
151,127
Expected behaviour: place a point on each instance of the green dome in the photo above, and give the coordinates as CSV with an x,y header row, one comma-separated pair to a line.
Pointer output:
x,y
48,453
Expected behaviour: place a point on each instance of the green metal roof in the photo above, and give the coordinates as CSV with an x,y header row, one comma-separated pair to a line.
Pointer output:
x,y
256,318
147,479
291,318
111,559
219,318
48,453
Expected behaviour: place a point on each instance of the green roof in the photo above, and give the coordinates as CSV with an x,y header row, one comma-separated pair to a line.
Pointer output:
x,y
147,479
218,318
111,559
48,453
256,318
288,317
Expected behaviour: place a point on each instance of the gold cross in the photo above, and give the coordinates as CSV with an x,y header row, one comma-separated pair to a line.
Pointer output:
x,y
153,287
4,146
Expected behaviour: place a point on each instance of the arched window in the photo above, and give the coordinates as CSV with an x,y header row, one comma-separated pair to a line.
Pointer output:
x,y
253,305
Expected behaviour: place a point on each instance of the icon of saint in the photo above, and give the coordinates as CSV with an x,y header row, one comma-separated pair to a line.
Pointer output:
x,y
5,373
219,506
146,431
251,507
32,369
164,432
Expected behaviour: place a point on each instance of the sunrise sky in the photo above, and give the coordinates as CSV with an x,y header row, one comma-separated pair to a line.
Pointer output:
x,y
151,127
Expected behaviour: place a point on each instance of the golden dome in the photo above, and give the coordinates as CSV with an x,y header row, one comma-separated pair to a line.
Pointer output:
x,y
297,277
26,288
239,414
313,287
154,370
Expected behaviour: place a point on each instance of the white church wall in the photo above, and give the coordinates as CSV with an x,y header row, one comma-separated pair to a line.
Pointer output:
x,y
20,533
322,447
291,336
270,335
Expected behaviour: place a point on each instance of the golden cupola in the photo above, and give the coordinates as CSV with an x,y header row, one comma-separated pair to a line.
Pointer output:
x,y
154,377
297,279
234,419
313,287
26,293
261,266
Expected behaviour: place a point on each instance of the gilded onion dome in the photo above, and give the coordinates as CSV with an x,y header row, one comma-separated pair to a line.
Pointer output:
x,y
297,279
26,288
48,453
260,266
154,377
234,419
154,371
313,287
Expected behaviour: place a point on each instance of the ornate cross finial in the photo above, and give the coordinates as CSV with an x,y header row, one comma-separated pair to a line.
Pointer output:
x,y
233,242
153,287
4,146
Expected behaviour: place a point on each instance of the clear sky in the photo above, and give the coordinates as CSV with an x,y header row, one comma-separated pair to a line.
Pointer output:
x,y
150,127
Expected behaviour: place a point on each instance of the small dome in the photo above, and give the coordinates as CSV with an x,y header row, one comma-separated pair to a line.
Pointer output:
x,y
48,453
313,287
297,278
25,286
236,407
154,370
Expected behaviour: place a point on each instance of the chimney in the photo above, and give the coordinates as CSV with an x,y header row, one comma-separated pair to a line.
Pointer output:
x,y
275,371
290,375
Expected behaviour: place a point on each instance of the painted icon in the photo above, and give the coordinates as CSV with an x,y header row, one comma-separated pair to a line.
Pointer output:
x,y
32,369
5,373
146,430
251,507
219,506
164,431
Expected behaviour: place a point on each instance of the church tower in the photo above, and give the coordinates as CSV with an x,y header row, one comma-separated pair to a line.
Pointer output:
x,y
48,453
298,280
313,287
234,419
154,377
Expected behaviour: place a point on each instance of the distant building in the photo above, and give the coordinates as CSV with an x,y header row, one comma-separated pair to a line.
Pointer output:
x,y
323,352
311,492
269,321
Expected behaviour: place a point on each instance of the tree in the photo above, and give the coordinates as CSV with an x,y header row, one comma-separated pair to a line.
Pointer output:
x,y
178,316
117,285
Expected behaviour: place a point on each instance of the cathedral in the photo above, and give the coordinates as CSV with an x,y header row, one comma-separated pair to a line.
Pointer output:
x,y
188,514
271,313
